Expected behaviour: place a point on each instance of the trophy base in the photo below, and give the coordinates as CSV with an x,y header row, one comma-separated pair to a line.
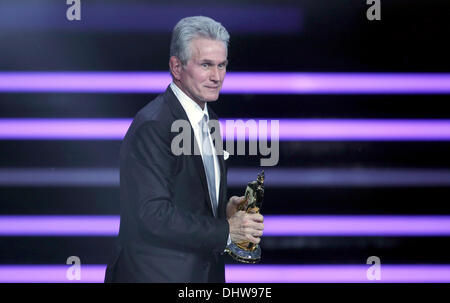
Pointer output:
x,y
244,256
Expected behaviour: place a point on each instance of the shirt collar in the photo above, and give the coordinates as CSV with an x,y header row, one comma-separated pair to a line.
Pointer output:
x,y
194,112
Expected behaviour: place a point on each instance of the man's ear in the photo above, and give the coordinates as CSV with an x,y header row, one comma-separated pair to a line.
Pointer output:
x,y
176,67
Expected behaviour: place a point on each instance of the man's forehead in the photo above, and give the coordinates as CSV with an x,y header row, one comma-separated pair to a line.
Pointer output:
x,y
207,49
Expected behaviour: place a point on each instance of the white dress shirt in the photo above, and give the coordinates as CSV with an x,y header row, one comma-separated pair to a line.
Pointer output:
x,y
195,115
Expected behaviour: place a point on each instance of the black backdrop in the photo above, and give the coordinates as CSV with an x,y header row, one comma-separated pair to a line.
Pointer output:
x,y
332,36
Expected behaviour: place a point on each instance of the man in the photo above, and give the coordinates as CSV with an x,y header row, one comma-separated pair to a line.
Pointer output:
x,y
175,219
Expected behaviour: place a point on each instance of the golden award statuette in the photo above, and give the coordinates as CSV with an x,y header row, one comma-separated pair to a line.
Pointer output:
x,y
247,252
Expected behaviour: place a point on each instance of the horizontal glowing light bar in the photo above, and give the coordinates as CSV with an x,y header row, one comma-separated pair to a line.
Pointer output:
x,y
345,177
389,273
151,17
337,274
289,129
50,274
235,82
364,225
307,225
63,129
17,225
275,177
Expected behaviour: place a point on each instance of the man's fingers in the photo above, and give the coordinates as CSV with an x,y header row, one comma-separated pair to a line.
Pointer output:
x,y
254,221
260,218
258,233
258,227
257,217
248,227
253,239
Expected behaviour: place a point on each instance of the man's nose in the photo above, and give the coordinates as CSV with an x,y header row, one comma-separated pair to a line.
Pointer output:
x,y
214,76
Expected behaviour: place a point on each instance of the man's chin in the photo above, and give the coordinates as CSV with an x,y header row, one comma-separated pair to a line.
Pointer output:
x,y
209,98
212,98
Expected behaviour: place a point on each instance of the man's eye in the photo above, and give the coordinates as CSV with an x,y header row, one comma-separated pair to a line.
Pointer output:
x,y
221,66
205,65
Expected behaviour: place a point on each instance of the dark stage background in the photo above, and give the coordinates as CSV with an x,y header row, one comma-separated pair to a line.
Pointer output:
x,y
323,36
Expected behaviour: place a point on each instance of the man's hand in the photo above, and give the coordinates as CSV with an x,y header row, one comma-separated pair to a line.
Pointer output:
x,y
233,204
246,227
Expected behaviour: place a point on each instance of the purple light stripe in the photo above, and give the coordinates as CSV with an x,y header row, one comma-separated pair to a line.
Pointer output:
x,y
235,82
423,273
60,177
84,82
63,129
238,177
50,274
337,83
337,274
289,129
355,129
148,17
347,177
308,225
363,225
59,225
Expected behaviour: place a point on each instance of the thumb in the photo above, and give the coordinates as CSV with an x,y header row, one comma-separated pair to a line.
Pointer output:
x,y
237,200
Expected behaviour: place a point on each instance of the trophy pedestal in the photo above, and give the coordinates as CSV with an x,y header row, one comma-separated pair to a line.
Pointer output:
x,y
244,256
247,252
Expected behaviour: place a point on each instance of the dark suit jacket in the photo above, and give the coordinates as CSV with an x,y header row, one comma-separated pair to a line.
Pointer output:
x,y
168,232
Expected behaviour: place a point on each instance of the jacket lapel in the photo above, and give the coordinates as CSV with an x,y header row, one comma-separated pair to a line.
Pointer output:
x,y
179,113
221,161
222,185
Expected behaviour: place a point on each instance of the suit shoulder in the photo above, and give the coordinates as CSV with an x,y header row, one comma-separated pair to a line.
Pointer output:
x,y
156,114
155,110
212,114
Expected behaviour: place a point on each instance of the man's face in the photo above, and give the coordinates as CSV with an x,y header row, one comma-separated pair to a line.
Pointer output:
x,y
202,77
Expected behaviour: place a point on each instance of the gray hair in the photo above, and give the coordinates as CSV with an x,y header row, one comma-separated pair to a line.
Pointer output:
x,y
190,28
